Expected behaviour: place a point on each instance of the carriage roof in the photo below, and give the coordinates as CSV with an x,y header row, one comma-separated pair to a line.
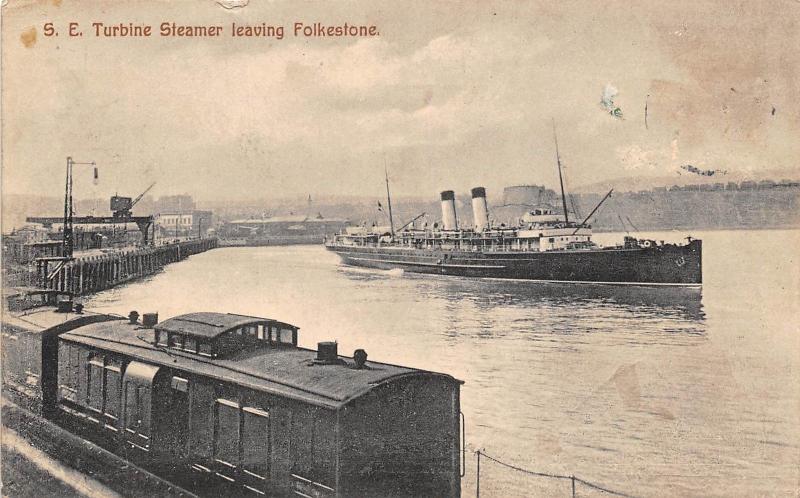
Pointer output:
x,y
282,371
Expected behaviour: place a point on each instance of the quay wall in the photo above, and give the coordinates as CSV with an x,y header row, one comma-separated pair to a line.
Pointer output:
x,y
85,275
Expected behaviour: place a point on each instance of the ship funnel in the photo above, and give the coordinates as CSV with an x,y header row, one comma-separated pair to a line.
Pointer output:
x,y
480,212
449,210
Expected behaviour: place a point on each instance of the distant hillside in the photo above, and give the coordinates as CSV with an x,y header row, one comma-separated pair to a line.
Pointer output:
x,y
682,177
708,205
748,204
17,207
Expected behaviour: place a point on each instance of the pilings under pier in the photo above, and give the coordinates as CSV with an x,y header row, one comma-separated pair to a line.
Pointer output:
x,y
85,275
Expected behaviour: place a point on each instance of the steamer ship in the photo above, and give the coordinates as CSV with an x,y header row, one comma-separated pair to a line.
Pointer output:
x,y
544,246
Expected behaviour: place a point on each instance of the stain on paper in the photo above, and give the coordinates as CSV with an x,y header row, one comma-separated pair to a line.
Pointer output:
x,y
28,37
233,4
607,101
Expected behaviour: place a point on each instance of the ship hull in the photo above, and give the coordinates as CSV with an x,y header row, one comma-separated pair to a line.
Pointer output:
x,y
658,265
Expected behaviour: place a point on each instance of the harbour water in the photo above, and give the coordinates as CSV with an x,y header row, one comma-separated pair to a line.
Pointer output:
x,y
648,391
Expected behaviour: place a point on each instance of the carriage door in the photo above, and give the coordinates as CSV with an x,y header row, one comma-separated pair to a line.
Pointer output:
x,y
138,392
242,444
255,449
175,424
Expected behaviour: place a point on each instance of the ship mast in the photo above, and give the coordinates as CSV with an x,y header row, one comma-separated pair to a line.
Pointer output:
x,y
388,198
68,240
560,177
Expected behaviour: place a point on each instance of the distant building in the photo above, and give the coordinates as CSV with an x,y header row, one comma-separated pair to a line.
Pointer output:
x,y
766,184
193,224
748,185
29,234
281,230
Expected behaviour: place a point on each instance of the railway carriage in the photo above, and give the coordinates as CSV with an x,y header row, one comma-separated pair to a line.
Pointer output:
x,y
229,404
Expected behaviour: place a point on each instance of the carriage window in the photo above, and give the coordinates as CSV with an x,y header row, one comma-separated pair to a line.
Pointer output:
x,y
94,394
226,433
162,338
287,336
113,389
262,334
255,442
176,341
190,344
205,349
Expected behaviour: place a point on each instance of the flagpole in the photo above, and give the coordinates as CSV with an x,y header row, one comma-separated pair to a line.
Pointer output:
x,y
388,197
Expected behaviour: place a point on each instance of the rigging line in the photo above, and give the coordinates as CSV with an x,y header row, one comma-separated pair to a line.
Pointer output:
x,y
593,211
631,224
574,206
623,224
619,217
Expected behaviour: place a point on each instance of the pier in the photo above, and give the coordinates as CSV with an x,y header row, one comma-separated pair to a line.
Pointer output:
x,y
88,274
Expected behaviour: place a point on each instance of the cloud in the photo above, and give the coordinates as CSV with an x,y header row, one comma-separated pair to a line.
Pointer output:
x,y
634,158
447,92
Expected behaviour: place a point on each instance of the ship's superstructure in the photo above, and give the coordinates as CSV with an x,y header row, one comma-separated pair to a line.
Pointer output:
x,y
542,245
539,229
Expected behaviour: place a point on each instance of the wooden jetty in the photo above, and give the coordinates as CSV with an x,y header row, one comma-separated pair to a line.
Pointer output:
x,y
88,274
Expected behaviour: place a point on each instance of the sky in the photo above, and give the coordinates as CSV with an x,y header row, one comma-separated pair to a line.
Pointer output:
x,y
451,95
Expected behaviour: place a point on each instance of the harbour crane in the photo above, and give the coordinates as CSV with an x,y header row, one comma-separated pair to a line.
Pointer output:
x,y
121,206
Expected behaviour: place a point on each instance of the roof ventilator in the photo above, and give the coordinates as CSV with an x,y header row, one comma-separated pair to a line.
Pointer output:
x,y
149,320
327,354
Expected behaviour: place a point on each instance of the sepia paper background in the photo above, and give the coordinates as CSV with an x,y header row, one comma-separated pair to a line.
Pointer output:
x,y
451,94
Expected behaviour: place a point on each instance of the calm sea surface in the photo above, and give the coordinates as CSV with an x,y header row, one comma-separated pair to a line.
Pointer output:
x,y
648,391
